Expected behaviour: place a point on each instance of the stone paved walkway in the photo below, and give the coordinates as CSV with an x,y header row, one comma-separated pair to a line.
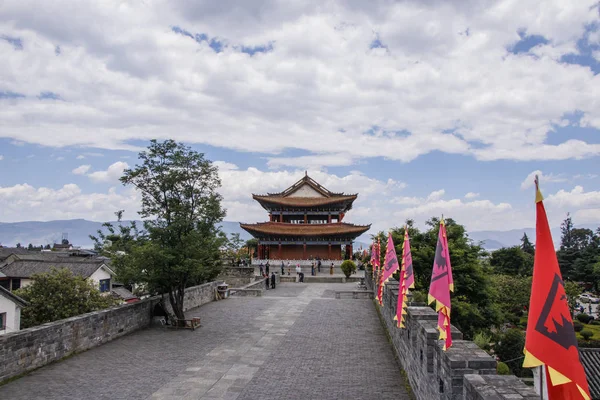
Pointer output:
x,y
294,343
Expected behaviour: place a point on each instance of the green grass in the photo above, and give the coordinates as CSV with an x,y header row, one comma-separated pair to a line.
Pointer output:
x,y
592,328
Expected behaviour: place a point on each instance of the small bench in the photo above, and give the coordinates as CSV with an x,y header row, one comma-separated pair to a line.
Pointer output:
x,y
192,323
356,294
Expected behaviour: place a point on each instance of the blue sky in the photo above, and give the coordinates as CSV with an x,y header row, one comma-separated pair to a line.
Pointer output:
x,y
422,109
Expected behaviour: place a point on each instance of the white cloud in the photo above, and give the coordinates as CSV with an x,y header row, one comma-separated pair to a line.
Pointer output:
x,y
80,157
544,178
1,157
436,195
320,90
81,170
67,202
576,198
471,195
113,173
61,158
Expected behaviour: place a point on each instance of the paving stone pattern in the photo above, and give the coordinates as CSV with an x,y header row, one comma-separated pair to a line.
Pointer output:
x,y
289,344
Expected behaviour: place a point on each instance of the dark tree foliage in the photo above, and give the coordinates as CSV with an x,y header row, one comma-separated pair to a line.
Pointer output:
x,y
473,308
510,350
579,253
180,245
512,261
58,295
526,245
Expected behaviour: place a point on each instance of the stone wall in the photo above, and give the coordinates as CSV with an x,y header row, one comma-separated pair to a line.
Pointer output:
x,y
237,276
35,347
462,372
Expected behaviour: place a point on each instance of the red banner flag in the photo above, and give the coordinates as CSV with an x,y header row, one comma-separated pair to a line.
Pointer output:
x,y
441,285
550,338
407,280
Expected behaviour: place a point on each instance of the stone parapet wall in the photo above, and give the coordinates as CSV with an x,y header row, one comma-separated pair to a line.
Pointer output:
x,y
35,347
237,276
462,372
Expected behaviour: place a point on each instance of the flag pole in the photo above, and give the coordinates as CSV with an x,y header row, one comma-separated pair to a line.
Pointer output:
x,y
541,382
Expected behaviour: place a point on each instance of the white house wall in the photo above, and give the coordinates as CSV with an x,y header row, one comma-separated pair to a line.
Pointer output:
x,y
13,315
100,274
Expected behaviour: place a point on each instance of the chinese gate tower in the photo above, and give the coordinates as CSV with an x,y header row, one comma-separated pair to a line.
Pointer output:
x,y
305,222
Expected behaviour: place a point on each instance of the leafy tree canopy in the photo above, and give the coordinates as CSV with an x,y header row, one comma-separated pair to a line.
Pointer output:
x,y
58,295
512,261
181,243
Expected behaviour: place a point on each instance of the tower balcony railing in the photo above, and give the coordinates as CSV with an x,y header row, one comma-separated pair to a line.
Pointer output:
x,y
293,262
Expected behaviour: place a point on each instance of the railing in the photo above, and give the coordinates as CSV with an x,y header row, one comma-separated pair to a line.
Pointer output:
x,y
303,263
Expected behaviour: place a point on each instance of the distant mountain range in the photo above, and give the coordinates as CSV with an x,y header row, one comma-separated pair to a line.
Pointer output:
x,y
78,231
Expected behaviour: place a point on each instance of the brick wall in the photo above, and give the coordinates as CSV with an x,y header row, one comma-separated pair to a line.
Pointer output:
x,y
35,347
463,372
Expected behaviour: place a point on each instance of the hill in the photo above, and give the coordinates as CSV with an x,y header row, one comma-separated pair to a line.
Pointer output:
x,y
78,231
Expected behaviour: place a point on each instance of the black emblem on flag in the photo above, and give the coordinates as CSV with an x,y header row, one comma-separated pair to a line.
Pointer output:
x,y
555,320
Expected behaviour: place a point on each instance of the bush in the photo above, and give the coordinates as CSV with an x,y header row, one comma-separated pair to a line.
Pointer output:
x,y
584,318
418,296
589,343
502,369
511,348
578,326
586,335
594,322
348,268
482,340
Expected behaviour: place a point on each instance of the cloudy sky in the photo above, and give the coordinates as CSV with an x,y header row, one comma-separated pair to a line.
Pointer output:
x,y
422,107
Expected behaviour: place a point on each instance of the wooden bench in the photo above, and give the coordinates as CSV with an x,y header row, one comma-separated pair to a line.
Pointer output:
x,y
192,323
356,294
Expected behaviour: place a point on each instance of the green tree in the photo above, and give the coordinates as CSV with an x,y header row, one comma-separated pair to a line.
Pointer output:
x,y
233,247
252,246
181,210
526,245
510,350
511,294
473,308
572,291
58,295
512,261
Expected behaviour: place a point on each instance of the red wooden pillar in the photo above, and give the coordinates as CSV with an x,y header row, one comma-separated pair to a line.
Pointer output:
x,y
279,251
350,247
329,251
329,219
340,217
281,217
305,219
304,251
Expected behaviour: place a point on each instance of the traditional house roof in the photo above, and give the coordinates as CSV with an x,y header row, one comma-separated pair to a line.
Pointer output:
x,y
6,252
306,193
122,293
12,297
26,265
304,201
590,358
286,229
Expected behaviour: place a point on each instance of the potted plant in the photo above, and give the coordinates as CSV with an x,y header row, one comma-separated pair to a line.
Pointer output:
x,y
348,268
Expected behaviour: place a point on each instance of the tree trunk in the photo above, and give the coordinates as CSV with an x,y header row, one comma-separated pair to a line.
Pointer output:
x,y
176,304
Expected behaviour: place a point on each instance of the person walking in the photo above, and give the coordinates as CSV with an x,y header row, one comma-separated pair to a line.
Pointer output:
x,y
289,267
267,282
267,268
312,269
331,269
298,271
319,266
282,271
262,269
273,280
